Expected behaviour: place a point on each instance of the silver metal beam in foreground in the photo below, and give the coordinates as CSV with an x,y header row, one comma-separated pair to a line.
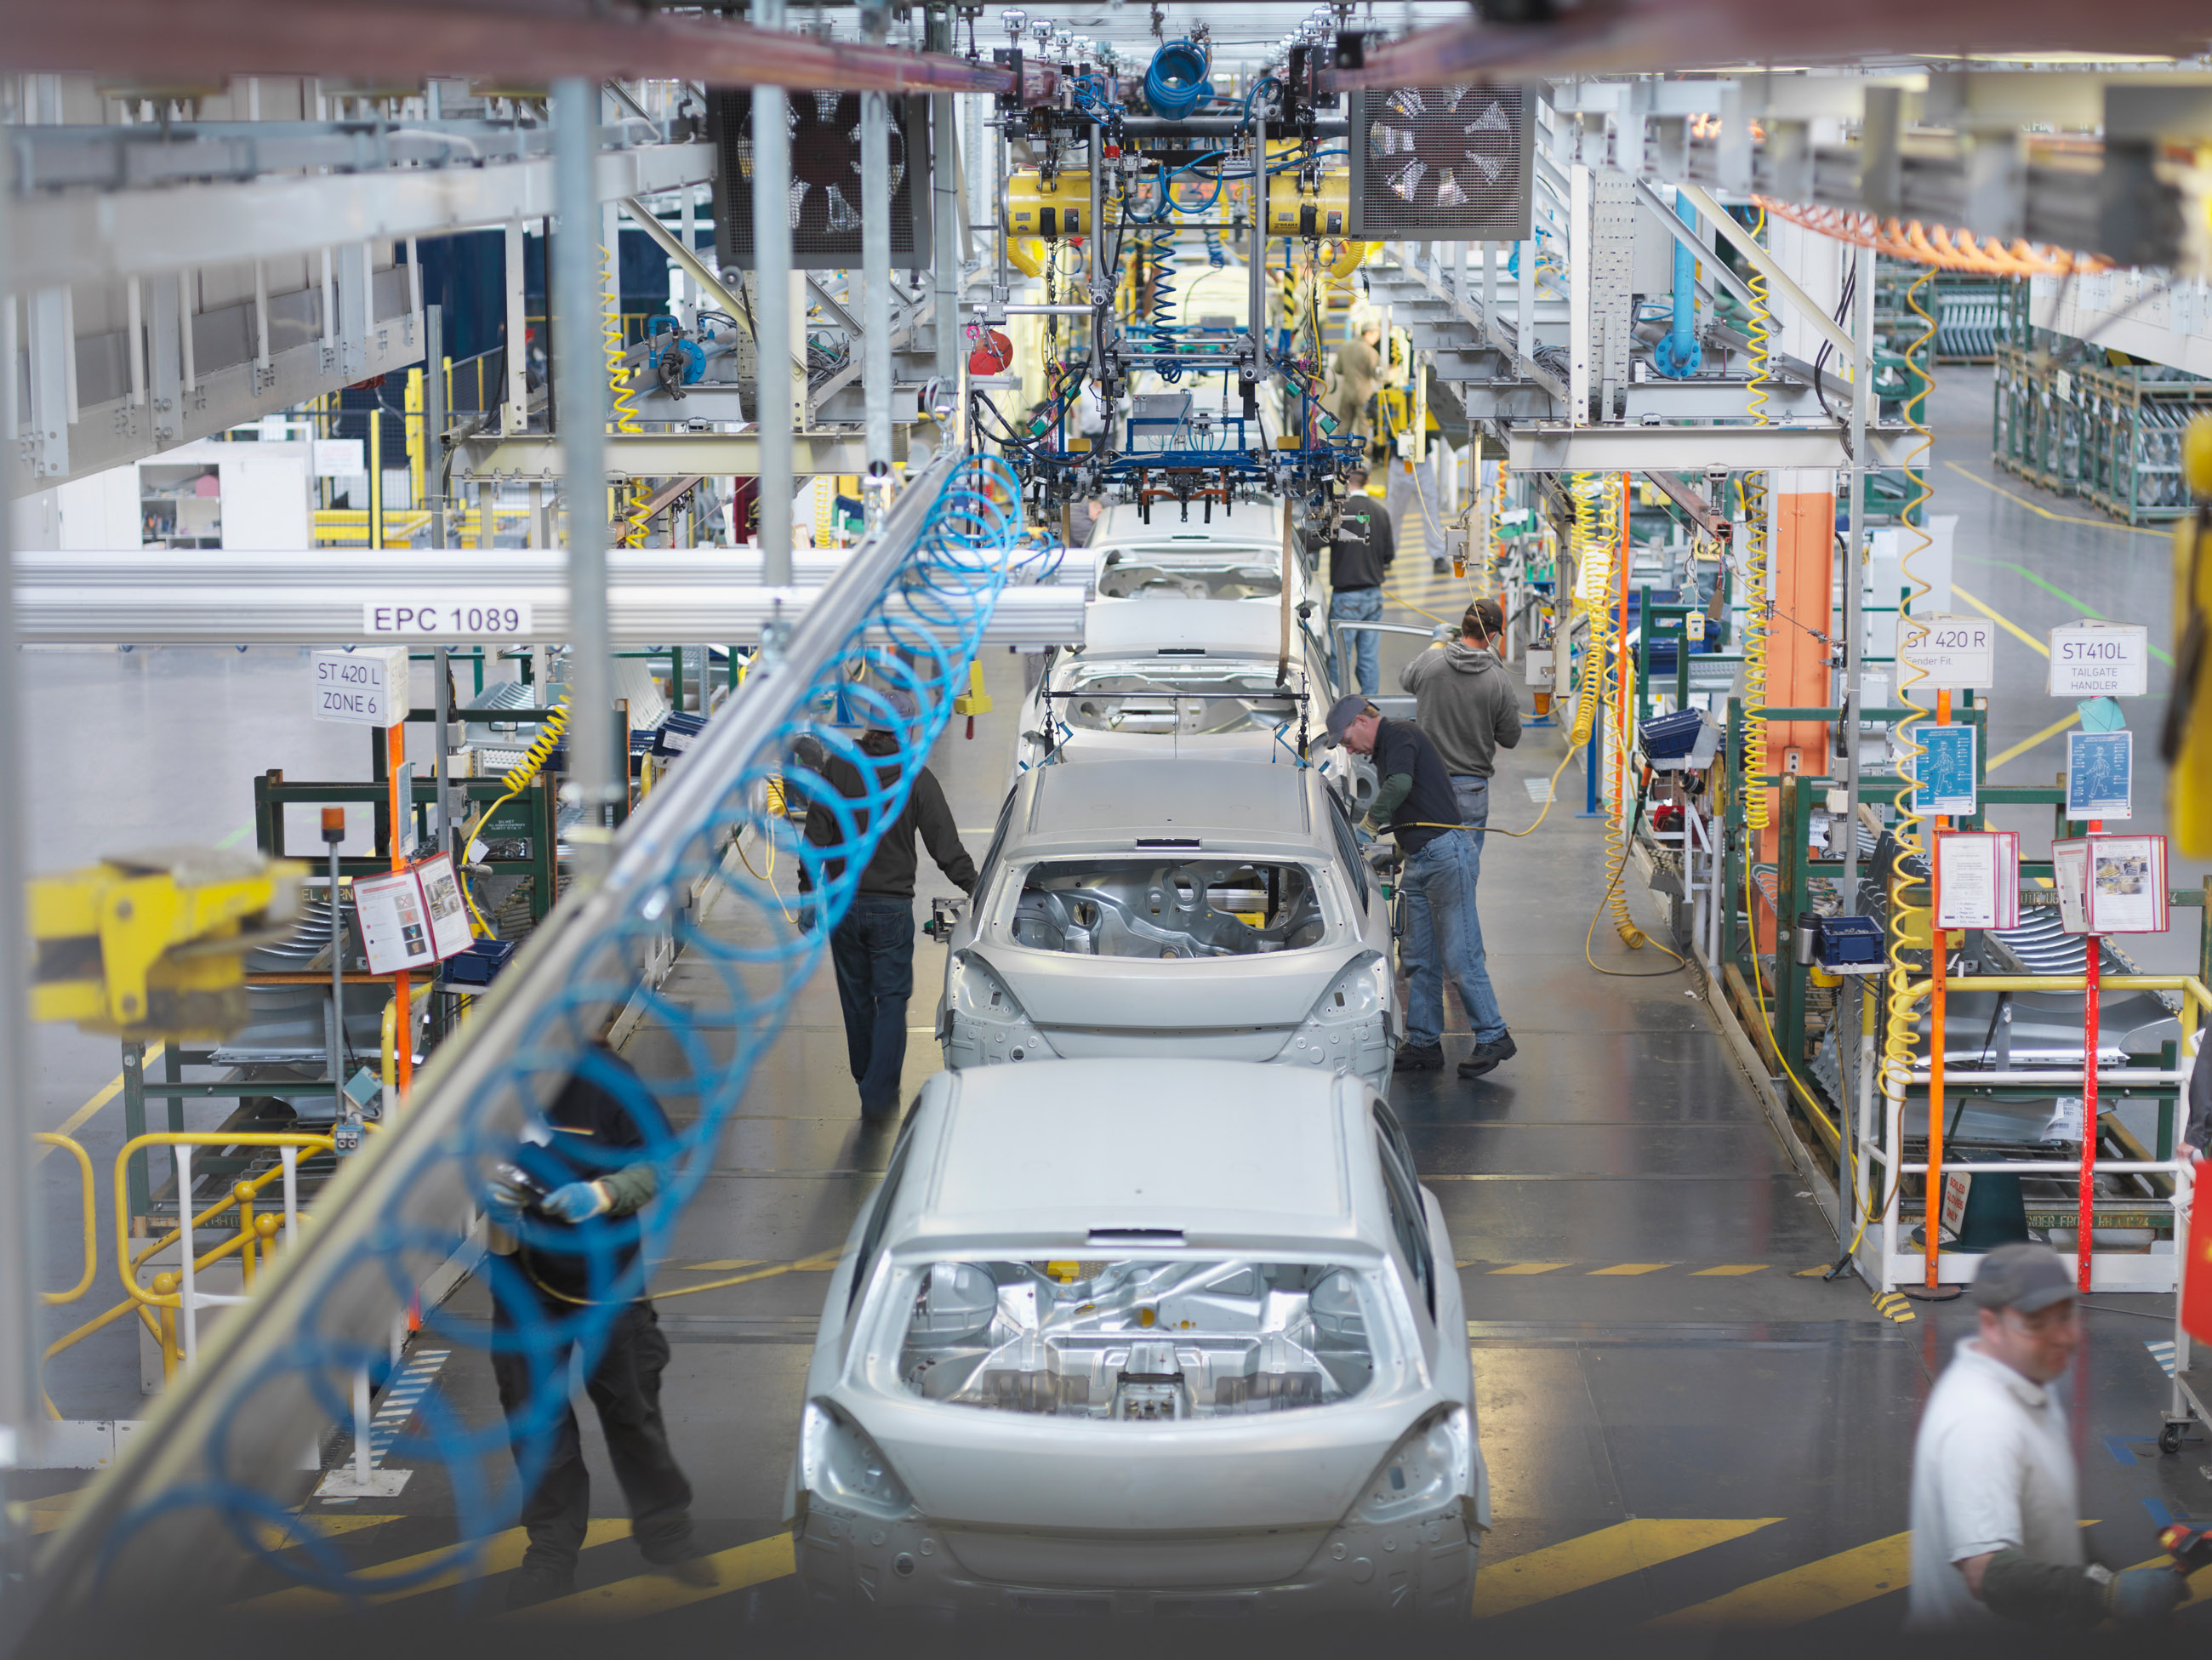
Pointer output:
x,y
241,1396
181,611
533,456
1552,448
580,392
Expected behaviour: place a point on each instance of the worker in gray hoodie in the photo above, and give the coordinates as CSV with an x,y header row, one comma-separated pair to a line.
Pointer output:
x,y
1465,702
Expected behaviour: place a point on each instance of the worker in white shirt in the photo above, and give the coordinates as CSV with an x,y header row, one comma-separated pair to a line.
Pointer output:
x,y
1996,1530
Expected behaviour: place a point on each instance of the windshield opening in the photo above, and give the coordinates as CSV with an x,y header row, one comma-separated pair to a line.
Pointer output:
x,y
1155,908
1137,1342
1136,577
1195,699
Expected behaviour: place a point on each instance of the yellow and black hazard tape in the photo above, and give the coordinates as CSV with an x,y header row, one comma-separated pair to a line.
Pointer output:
x,y
1895,1304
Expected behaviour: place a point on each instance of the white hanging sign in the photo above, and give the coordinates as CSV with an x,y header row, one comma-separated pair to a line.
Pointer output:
x,y
365,687
475,617
1958,654
2100,660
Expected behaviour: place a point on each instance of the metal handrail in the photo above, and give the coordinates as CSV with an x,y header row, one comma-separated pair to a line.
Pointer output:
x,y
91,1231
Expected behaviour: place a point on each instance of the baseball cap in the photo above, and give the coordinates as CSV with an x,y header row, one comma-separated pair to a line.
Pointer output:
x,y
2022,1276
1346,710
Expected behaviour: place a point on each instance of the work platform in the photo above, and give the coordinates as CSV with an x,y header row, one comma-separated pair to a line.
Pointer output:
x,y
1683,1421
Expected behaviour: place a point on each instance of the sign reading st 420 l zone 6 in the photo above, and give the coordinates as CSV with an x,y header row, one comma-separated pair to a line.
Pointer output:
x,y
2100,660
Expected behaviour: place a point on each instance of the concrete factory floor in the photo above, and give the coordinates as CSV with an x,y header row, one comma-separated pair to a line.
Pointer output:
x,y
1682,1421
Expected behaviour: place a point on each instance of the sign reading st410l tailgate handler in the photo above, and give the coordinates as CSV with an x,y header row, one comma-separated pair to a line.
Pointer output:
x,y
2100,660
486,617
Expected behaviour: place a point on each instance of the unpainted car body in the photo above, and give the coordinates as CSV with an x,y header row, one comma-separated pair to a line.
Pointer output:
x,y
1145,906
1143,1337
1175,675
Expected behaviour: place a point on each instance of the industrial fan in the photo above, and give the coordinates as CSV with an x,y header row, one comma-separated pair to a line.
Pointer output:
x,y
826,178
1450,162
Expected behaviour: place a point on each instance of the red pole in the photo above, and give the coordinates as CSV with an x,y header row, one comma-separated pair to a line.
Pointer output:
x,y
402,982
2092,967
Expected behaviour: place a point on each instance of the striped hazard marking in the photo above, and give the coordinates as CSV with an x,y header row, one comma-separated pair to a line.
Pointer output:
x,y
1894,1305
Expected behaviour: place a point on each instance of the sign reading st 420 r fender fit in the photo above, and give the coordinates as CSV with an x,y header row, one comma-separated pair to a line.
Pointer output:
x,y
1959,653
2100,660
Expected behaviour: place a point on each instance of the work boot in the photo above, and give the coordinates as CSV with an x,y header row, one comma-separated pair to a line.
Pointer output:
x,y
1427,1057
685,1563
1487,1056
534,1585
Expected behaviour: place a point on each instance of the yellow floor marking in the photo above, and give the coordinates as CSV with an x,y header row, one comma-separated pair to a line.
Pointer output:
x,y
655,1593
108,1091
2003,622
1531,1268
2026,745
329,1527
1819,1270
728,1265
2062,518
1729,1270
1631,1268
502,1554
1573,1564
822,1263
1841,1581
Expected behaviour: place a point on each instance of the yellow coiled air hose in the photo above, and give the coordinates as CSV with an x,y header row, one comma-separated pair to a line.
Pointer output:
x,y
1751,495
619,394
517,780
1897,1042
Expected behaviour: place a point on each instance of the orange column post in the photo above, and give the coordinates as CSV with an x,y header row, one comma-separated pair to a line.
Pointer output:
x,y
1801,585
395,757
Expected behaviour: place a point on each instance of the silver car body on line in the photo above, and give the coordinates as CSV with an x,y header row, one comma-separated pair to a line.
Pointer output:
x,y
1148,906
1175,675
1062,1369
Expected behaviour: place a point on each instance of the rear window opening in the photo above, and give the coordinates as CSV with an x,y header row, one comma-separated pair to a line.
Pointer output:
x,y
1168,907
1137,1342
1192,699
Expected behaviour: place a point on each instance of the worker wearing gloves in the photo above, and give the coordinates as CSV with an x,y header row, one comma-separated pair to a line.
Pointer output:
x,y
1359,556
1466,704
872,945
1416,805
560,1217
2197,1134
1996,1533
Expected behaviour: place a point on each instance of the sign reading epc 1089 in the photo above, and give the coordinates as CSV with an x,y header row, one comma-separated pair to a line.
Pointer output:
x,y
486,617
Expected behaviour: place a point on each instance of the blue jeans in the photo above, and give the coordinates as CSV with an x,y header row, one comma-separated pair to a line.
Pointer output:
x,y
1473,794
873,950
1359,605
1444,934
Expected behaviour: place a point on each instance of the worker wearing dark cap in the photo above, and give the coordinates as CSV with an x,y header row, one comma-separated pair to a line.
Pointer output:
x,y
1996,1527
1416,805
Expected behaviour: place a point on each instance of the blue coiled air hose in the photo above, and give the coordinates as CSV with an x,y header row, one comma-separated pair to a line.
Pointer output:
x,y
1175,80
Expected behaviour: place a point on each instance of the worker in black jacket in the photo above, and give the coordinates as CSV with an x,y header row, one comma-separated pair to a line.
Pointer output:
x,y
872,946
1359,557
562,1211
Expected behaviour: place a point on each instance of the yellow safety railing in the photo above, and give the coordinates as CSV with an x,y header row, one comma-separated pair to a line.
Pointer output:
x,y
91,1231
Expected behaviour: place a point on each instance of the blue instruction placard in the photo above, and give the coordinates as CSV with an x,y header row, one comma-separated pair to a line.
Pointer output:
x,y
1946,772
2101,775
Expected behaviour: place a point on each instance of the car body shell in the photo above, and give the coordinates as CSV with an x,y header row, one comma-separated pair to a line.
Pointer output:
x,y
1331,1004
993,1511
1173,642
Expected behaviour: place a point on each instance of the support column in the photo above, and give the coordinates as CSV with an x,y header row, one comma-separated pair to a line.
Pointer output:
x,y
583,398
1802,540
876,261
772,311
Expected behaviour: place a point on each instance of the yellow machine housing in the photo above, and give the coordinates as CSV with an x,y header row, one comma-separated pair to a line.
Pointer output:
x,y
1059,209
1325,211
152,945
